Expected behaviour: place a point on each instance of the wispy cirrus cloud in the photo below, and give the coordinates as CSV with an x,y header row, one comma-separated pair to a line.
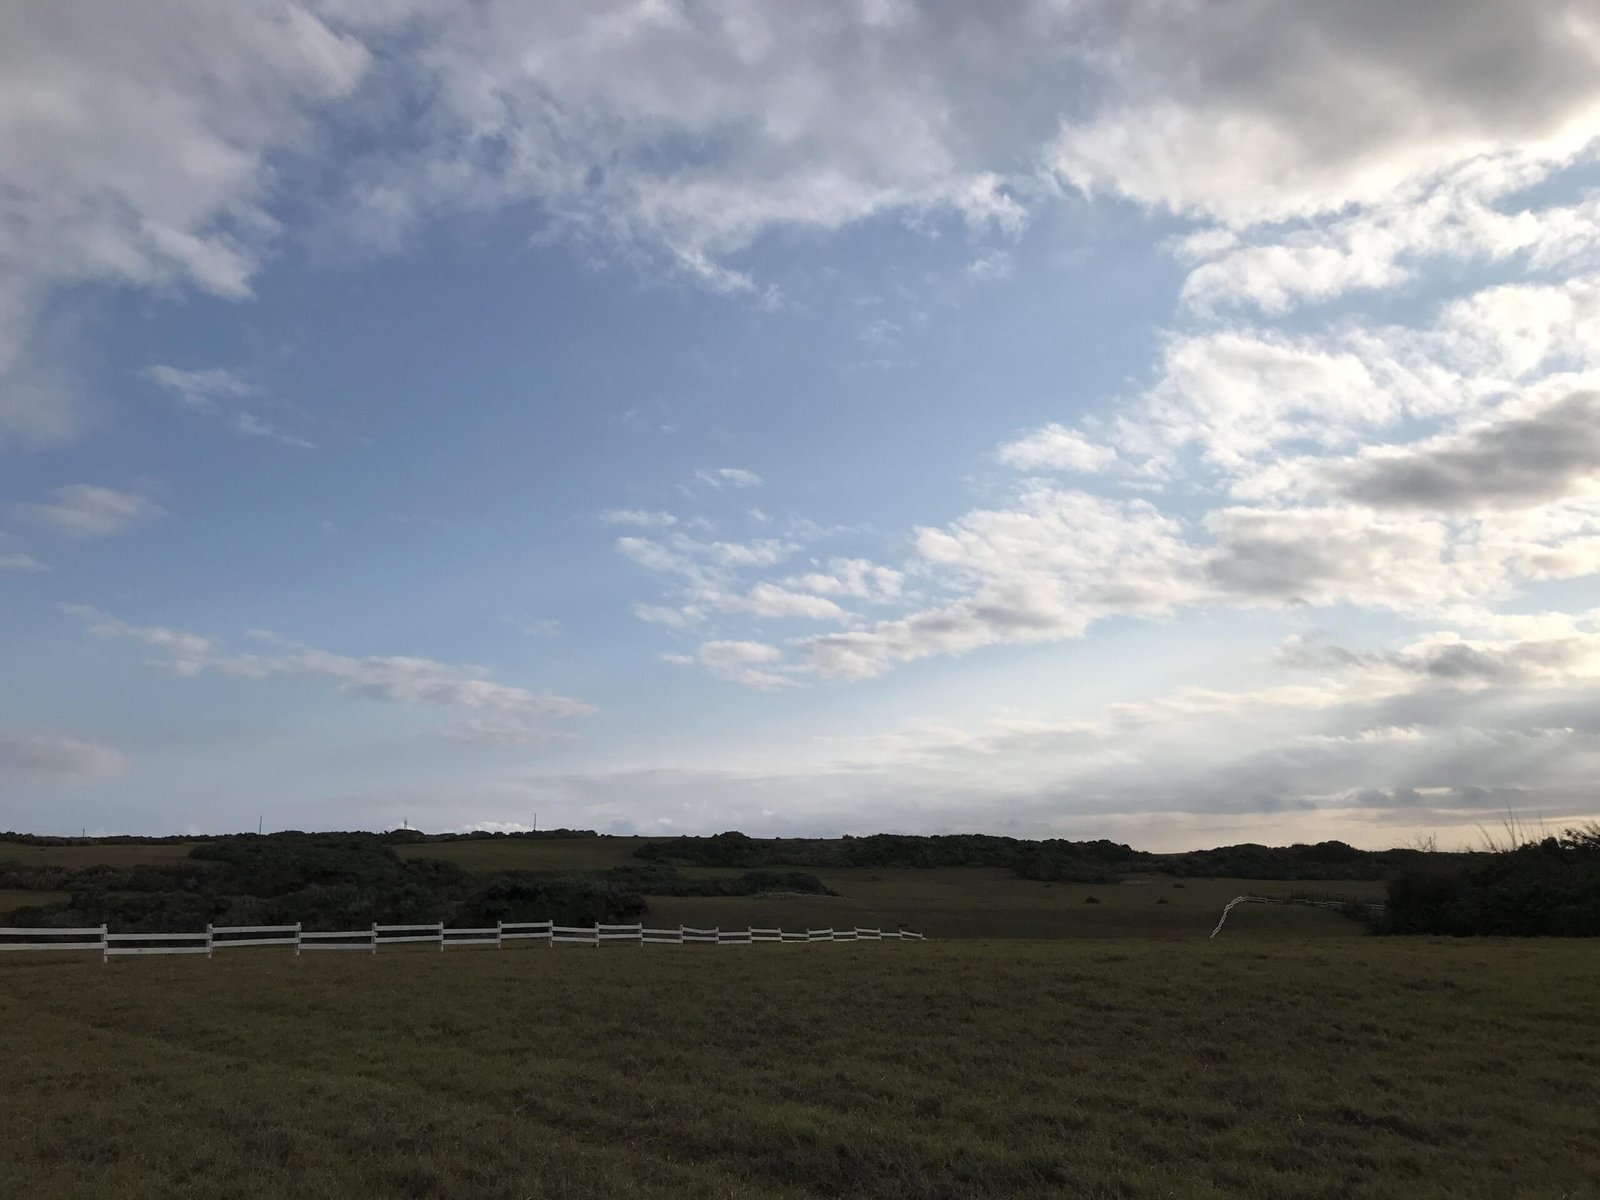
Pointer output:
x,y
728,477
41,754
219,393
489,711
84,510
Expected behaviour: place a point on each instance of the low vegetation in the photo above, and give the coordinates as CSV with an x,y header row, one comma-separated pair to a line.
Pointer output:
x,y
340,881
1546,888
1051,859
1344,1068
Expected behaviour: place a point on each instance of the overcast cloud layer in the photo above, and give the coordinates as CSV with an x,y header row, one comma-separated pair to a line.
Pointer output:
x,y
806,522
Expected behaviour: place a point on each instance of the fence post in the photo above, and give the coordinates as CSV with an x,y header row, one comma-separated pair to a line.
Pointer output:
x,y
208,939
105,946
597,935
499,935
297,929
374,937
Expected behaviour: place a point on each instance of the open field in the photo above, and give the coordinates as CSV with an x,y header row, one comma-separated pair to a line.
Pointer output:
x,y
122,854
1252,1066
982,902
943,902
11,898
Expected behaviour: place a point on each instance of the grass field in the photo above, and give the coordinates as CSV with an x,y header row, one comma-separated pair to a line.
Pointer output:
x,y
113,855
12,899
1259,1065
943,902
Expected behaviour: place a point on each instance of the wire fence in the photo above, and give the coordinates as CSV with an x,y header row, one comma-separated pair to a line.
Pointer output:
x,y
230,937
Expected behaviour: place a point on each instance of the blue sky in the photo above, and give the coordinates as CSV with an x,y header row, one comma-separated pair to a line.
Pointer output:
x,y
663,417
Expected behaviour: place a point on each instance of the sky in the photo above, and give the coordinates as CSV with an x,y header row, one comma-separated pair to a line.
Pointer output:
x,y
1176,423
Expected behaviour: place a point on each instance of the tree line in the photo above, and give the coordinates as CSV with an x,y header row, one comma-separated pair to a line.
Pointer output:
x,y
343,881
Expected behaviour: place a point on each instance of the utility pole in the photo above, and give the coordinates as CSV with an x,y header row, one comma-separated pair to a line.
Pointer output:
x,y
259,819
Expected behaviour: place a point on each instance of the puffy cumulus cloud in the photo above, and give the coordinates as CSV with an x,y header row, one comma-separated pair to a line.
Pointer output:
x,y
83,510
773,600
751,663
37,754
150,150
1056,448
138,150
813,117
1272,111
491,711
855,577
1470,215
1511,462
712,578
1240,394
1043,570
1324,556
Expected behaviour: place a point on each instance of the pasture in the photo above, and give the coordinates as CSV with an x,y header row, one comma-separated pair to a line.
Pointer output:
x,y
94,854
943,902
1263,1064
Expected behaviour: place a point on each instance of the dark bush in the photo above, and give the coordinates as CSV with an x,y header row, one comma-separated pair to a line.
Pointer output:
x,y
1548,888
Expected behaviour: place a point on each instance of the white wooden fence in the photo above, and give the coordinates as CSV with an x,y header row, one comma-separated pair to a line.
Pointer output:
x,y
1371,906
229,937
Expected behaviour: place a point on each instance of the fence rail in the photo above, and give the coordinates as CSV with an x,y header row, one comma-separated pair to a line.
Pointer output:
x,y
234,937
1371,906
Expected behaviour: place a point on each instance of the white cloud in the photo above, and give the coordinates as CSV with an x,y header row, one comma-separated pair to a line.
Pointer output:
x,y
17,561
252,426
495,712
735,477
1056,448
1510,461
200,389
1295,108
83,510
30,754
858,577
640,517
137,149
1043,570
749,663
545,627
214,392
811,117
771,600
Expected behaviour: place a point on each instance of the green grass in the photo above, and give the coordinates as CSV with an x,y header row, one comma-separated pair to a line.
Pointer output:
x,y
114,855
1258,1066
11,899
945,902
978,902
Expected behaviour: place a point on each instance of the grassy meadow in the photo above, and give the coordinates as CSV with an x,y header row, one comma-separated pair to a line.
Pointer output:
x,y
1258,1065
94,854
943,902
1056,1040
12,898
